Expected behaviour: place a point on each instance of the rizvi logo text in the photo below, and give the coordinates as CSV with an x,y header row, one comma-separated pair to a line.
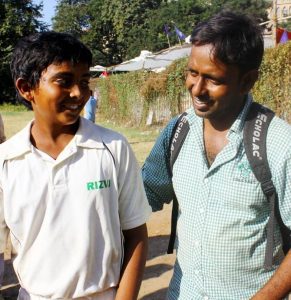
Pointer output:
x,y
98,185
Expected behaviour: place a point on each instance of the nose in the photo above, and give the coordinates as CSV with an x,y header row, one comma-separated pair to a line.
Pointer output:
x,y
75,91
197,86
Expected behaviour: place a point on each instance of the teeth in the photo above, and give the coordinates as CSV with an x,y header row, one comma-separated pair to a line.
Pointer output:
x,y
72,106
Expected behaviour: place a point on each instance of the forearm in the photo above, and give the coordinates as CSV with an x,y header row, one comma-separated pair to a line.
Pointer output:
x,y
135,252
279,284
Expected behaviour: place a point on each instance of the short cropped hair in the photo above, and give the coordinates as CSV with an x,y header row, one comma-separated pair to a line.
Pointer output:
x,y
33,54
236,38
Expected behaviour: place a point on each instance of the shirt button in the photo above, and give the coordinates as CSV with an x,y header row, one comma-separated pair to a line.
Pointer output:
x,y
206,180
201,210
196,243
205,298
196,272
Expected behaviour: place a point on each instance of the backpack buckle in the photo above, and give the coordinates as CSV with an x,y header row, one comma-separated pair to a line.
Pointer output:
x,y
268,187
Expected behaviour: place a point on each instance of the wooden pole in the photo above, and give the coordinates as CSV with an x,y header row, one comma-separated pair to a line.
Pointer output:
x,y
274,19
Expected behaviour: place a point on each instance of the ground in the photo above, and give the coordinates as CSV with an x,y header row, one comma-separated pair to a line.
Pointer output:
x,y
158,267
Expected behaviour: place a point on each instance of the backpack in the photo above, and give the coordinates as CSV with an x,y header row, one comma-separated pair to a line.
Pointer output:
x,y
254,138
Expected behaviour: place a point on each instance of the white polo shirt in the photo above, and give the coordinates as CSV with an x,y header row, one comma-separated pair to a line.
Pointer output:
x,y
66,216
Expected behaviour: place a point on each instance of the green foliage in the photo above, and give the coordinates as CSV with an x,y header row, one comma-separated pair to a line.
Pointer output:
x,y
8,107
117,30
286,24
257,8
120,96
71,17
274,85
17,19
128,97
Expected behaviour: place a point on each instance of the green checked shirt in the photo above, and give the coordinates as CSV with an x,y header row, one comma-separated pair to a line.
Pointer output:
x,y
223,213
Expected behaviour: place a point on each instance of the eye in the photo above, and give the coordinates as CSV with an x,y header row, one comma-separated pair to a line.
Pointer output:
x,y
64,82
193,73
84,84
214,81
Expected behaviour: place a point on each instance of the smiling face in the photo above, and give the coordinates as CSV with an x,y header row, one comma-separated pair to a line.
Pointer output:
x,y
217,90
60,95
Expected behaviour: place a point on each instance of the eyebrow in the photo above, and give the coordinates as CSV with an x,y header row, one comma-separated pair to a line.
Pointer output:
x,y
69,74
207,75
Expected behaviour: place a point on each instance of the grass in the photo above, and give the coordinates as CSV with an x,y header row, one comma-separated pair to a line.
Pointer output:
x,y
141,139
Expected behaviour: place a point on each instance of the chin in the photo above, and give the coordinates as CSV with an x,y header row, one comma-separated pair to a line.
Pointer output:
x,y
69,120
203,114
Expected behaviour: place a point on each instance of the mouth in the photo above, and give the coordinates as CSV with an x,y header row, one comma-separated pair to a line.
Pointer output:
x,y
201,103
71,106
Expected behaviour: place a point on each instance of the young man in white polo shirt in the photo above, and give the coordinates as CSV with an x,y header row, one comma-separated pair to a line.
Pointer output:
x,y
71,195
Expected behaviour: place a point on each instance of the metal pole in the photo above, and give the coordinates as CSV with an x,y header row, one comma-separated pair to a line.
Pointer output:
x,y
274,19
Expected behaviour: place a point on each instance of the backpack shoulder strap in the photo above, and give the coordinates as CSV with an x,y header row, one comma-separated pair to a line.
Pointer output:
x,y
255,136
178,137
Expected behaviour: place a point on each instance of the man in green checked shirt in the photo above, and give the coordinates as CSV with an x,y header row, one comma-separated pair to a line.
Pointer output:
x,y
223,213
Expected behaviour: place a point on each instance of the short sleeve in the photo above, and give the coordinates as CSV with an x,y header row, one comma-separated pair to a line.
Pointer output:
x,y
279,158
156,170
282,182
134,209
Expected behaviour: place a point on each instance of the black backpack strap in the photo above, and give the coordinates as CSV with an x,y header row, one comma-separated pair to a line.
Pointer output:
x,y
255,136
178,137
174,219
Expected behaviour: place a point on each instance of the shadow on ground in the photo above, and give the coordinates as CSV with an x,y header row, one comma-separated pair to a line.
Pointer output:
x,y
158,295
156,271
10,282
158,246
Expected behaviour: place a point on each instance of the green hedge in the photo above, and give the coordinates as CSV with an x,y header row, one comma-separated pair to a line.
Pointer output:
x,y
128,97
274,85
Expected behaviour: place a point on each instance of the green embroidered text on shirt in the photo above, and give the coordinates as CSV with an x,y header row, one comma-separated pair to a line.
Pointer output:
x,y
97,185
245,169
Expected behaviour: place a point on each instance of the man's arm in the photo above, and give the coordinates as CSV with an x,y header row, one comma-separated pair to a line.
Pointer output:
x,y
156,170
279,284
135,253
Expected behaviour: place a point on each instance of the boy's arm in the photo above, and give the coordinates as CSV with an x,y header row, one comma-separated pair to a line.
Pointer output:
x,y
135,252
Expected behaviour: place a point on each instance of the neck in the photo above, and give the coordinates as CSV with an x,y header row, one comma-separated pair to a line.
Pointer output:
x,y
53,132
52,139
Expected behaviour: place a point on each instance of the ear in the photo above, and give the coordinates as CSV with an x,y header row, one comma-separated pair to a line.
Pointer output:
x,y
24,89
248,80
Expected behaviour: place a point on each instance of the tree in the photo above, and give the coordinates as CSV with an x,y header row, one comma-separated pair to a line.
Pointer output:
x,y
18,18
129,21
257,9
116,30
71,17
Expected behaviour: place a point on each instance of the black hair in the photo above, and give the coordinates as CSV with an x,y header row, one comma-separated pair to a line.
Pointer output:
x,y
236,38
34,53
